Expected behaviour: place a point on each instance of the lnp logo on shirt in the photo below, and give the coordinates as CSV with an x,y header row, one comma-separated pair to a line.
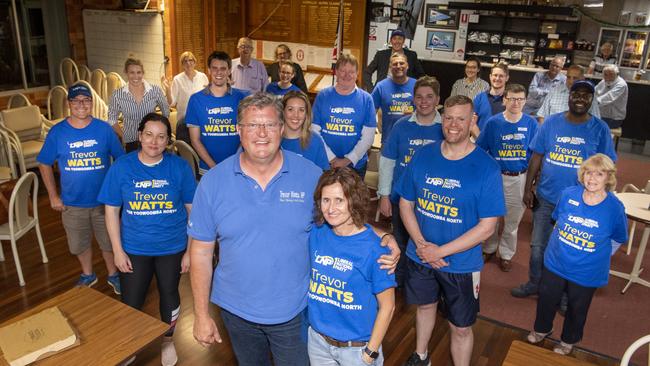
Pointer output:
x,y
443,182
570,140
292,196
152,183
220,110
82,143
339,264
513,136
342,110
584,222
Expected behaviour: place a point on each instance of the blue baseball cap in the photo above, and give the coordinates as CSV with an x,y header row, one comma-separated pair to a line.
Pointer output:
x,y
583,84
79,89
397,32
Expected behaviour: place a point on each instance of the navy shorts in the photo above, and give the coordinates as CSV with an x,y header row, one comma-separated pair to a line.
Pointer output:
x,y
459,291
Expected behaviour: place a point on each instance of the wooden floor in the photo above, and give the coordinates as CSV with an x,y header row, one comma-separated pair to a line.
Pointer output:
x,y
492,339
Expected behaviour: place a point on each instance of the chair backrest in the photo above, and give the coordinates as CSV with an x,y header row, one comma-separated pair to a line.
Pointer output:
x,y
625,361
84,72
113,82
26,122
100,108
186,152
57,103
18,100
68,71
19,202
98,81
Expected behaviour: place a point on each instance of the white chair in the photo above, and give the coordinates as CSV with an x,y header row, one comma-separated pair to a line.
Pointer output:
x,y
186,152
8,151
19,220
26,127
57,103
68,71
18,100
633,188
98,82
625,361
84,73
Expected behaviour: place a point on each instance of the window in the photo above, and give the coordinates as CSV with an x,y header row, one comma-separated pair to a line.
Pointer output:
x,y
23,48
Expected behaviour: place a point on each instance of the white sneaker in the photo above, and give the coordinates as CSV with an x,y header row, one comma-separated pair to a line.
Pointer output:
x,y
168,356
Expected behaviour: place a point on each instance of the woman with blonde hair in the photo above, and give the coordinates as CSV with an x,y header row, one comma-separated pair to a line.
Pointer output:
x,y
134,101
186,83
297,136
590,220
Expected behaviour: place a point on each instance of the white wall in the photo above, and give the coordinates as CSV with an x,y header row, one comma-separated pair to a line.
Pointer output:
x,y
113,36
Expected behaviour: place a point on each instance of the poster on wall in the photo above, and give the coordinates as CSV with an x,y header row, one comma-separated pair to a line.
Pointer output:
x,y
439,16
441,41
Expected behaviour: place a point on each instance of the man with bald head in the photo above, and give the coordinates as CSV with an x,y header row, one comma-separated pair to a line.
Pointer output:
x,y
247,72
542,83
557,99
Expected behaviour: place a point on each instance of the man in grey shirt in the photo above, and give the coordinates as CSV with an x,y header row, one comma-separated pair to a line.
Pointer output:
x,y
611,94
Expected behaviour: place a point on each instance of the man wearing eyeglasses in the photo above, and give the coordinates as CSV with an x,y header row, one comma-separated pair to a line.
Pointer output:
x,y
542,83
561,144
247,72
83,147
259,205
506,138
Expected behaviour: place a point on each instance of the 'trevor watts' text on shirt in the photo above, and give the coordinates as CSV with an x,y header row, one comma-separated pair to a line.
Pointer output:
x,y
564,146
216,119
508,143
395,100
450,198
83,155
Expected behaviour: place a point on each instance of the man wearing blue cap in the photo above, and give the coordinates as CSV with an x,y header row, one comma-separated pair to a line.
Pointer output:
x,y
562,143
382,60
83,147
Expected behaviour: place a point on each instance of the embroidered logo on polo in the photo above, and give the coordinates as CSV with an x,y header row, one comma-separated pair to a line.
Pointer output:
x,y
292,196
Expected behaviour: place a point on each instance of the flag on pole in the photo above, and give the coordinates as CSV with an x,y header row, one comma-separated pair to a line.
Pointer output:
x,y
338,41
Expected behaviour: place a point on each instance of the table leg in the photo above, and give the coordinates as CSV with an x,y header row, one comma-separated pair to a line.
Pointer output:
x,y
633,277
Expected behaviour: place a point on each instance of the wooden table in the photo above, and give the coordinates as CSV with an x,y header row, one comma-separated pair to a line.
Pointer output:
x,y
110,331
525,354
636,208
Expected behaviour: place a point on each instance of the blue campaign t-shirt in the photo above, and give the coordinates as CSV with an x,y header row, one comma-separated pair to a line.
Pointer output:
x,y
314,152
275,89
344,281
564,146
450,198
405,139
395,100
83,155
341,119
263,234
508,143
580,246
216,118
153,203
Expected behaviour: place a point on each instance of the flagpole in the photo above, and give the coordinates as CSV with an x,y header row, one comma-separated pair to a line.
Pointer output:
x,y
338,43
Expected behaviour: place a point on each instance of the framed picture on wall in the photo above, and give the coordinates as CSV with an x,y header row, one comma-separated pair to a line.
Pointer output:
x,y
610,35
395,15
440,16
441,40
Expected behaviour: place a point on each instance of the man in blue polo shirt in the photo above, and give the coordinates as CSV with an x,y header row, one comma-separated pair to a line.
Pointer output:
x,y
83,147
451,196
212,114
394,95
262,278
490,102
562,143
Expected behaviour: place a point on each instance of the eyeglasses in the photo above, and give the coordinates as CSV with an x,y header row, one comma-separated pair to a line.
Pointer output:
x,y
81,101
518,100
272,126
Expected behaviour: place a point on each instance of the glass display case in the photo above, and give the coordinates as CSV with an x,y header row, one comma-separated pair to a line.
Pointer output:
x,y
634,44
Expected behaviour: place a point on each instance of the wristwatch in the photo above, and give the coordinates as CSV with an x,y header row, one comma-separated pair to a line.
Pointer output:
x,y
370,353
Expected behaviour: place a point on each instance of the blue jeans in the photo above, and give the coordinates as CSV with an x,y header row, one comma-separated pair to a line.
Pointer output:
x,y
402,238
253,342
322,353
542,229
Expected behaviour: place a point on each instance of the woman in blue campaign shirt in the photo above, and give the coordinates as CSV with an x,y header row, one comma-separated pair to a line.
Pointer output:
x,y
351,300
154,190
284,85
297,136
576,261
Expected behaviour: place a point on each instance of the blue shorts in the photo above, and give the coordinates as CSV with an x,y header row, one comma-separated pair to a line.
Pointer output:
x,y
459,291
